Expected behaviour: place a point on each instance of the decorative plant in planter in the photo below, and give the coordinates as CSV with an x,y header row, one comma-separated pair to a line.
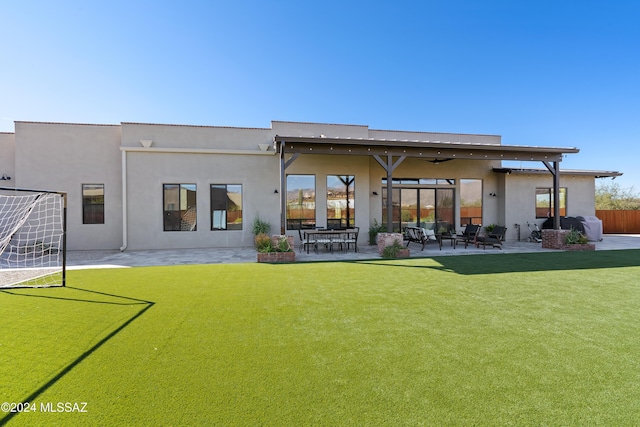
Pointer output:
x,y
263,243
274,249
574,240
271,248
374,229
260,227
395,250
574,237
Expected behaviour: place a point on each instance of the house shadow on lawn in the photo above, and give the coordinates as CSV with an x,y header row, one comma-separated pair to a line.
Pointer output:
x,y
88,296
520,263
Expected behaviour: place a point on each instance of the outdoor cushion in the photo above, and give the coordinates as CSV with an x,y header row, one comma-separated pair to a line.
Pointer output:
x,y
431,235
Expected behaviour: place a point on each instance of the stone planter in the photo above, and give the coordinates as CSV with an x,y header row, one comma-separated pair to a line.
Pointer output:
x,y
276,257
579,247
555,239
386,239
404,253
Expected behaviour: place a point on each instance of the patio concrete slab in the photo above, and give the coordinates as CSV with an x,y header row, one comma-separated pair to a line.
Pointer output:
x,y
116,259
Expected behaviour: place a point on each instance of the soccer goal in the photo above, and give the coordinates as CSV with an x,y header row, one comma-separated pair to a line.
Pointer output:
x,y
32,238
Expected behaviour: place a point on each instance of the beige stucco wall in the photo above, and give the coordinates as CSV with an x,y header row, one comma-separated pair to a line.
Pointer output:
x,y
7,158
194,137
62,157
519,198
319,129
434,136
147,172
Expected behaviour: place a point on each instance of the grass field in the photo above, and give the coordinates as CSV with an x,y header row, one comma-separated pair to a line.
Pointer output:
x,y
496,339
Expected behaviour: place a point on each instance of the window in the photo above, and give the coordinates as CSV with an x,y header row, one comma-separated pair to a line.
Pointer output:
x,y
340,201
544,202
93,203
470,201
226,207
301,201
179,201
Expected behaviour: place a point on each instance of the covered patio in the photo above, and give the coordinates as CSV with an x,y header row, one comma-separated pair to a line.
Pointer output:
x,y
390,153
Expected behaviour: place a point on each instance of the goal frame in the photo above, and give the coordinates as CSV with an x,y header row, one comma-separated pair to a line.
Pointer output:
x,y
63,195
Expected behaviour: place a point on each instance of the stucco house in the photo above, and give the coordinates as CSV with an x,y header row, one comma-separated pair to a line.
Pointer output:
x,y
158,186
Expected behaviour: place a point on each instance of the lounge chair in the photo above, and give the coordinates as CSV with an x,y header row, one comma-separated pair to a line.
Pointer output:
x,y
421,236
493,238
468,235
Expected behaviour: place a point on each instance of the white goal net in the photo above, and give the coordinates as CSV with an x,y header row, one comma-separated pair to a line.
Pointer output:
x,y
32,238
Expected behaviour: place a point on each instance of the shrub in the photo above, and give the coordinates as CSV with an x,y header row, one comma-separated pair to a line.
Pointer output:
x,y
575,237
392,250
260,227
374,229
263,242
283,244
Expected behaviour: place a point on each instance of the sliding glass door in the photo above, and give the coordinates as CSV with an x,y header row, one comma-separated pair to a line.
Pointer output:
x,y
431,208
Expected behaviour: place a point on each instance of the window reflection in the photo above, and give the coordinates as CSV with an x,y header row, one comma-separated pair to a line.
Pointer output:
x,y
226,207
179,201
93,203
340,201
301,201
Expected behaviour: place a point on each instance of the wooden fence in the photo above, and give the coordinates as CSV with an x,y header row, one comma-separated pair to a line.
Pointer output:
x,y
619,222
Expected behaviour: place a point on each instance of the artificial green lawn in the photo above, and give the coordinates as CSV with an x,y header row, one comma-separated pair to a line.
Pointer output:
x,y
496,339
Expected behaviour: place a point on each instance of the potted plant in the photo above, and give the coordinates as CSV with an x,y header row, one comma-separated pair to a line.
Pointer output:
x,y
271,248
260,227
274,249
574,240
374,229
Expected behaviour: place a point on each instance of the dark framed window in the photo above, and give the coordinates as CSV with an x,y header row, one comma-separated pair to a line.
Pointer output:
x,y
93,203
341,211
544,202
301,201
179,207
226,206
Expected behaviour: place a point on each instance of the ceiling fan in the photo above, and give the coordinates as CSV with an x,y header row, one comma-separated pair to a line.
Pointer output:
x,y
437,161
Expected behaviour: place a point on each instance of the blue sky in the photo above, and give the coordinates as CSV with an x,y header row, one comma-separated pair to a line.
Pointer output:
x,y
549,73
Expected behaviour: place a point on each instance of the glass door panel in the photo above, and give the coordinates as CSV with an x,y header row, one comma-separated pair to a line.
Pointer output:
x,y
409,207
445,216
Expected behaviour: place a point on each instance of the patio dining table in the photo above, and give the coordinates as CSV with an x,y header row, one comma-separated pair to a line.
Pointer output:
x,y
329,237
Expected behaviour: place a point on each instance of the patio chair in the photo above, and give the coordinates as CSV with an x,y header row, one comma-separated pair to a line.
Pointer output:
x,y
493,238
351,238
306,242
324,239
337,238
468,235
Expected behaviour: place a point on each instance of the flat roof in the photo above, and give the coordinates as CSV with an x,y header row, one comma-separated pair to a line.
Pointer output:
x,y
532,171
